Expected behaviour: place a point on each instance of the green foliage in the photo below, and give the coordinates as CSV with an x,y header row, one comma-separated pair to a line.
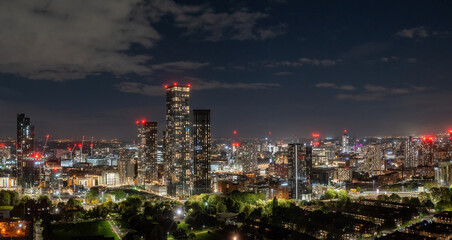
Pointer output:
x,y
119,194
383,197
423,197
342,194
199,219
430,185
18,211
44,201
332,194
14,197
92,196
5,198
246,197
395,198
221,207
73,203
441,194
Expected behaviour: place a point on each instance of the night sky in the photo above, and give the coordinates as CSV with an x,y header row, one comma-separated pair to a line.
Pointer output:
x,y
290,67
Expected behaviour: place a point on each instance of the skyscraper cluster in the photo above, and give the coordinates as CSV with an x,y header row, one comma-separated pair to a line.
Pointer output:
x,y
186,147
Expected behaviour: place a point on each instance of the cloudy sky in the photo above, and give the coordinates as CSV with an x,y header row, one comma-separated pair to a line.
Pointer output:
x,y
83,67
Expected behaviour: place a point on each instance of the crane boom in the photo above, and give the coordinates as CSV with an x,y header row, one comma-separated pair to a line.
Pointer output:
x,y
45,145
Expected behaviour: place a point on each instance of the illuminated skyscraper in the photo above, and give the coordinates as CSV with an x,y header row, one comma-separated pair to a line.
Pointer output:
x,y
300,168
344,143
202,145
178,140
146,167
25,146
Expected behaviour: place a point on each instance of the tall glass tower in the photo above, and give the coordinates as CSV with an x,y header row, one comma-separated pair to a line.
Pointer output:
x,y
202,144
25,146
146,167
300,168
178,141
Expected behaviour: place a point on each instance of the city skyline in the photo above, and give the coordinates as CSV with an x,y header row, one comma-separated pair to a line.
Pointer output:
x,y
286,67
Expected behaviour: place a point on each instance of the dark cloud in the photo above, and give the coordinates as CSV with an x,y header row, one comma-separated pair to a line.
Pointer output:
x,y
376,92
283,73
61,40
204,23
417,32
366,50
197,84
179,66
333,85
305,61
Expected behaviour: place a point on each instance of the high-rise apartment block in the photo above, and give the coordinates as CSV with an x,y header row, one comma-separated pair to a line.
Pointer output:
x,y
25,146
410,153
147,144
300,168
374,161
178,140
344,142
202,148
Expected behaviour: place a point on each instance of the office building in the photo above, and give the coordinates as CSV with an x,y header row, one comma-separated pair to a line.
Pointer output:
x,y
344,142
202,148
178,140
147,145
25,147
300,168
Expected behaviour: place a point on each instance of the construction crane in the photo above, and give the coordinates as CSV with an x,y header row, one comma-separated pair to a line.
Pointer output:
x,y
72,150
45,145
81,149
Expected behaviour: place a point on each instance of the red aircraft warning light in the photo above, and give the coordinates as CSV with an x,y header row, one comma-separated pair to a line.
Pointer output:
x,y
143,121
235,132
80,145
47,136
189,85
138,122
166,86
345,130
427,139
175,84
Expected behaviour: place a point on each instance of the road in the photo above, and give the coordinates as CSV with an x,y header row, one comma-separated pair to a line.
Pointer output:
x,y
375,193
115,229
37,233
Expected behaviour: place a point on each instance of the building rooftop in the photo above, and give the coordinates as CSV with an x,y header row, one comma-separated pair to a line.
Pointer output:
x,y
432,227
405,236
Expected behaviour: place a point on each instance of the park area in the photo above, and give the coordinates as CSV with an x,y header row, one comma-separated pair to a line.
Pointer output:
x,y
81,229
